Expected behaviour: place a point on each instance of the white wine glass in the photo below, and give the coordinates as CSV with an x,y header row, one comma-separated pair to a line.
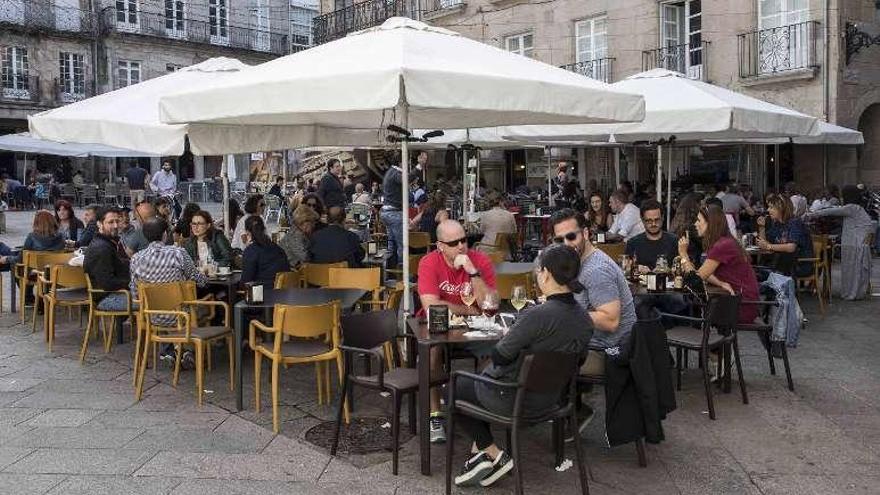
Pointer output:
x,y
467,294
518,298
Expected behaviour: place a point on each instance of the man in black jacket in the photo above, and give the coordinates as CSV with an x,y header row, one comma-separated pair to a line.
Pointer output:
x,y
330,189
334,243
106,262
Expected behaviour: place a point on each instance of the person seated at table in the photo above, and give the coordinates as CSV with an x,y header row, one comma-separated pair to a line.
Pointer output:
x,y
314,202
182,229
683,224
606,298
727,265
496,220
106,262
442,275
295,242
654,241
277,188
207,244
262,258
165,211
69,226
431,213
91,228
127,231
253,206
627,222
360,195
44,236
557,325
787,237
598,215
161,263
335,243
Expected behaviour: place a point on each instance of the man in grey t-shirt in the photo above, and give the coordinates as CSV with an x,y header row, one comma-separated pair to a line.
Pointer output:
x,y
606,297
733,203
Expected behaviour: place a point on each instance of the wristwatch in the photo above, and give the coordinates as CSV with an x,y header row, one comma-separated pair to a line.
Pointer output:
x,y
476,274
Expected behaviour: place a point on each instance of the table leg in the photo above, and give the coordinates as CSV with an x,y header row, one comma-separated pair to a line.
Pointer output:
x,y
238,329
424,406
12,292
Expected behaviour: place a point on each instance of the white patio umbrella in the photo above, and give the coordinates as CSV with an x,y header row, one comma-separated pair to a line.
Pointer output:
x,y
23,142
403,73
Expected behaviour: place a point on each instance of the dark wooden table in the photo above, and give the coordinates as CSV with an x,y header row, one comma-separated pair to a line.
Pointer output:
x,y
294,297
425,340
229,283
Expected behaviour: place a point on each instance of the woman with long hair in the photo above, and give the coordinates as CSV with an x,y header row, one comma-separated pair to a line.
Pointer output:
x,y
727,264
684,224
598,214
69,227
182,228
206,244
787,237
855,252
429,216
44,236
262,258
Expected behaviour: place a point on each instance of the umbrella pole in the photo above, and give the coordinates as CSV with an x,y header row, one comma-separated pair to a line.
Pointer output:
x,y
659,185
616,170
224,182
404,166
464,186
669,193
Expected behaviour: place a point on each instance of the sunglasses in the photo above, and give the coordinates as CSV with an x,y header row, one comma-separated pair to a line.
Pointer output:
x,y
454,243
571,236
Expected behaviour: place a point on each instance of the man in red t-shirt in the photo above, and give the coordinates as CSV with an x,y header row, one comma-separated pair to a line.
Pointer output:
x,y
442,273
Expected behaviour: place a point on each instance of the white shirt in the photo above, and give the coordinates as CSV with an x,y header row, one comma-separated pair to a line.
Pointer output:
x,y
236,234
627,223
164,182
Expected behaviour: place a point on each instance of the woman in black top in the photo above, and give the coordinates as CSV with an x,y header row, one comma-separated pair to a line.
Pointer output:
x,y
558,325
262,259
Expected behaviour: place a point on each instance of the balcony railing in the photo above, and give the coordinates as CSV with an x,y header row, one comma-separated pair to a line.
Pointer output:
x,y
45,16
689,59
778,50
437,6
70,91
20,88
336,24
196,31
598,69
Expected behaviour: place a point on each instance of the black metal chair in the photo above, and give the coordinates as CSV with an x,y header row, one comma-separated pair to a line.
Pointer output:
x,y
764,329
544,373
365,334
717,331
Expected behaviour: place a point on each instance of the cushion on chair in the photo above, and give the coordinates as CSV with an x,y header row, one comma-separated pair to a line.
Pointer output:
x,y
203,333
690,337
300,347
402,379
68,295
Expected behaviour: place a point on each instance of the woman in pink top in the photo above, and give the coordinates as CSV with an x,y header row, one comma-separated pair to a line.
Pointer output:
x,y
727,264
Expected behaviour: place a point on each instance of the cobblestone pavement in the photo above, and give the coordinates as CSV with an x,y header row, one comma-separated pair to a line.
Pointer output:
x,y
68,428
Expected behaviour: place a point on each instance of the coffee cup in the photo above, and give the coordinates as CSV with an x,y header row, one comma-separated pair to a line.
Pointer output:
x,y
223,270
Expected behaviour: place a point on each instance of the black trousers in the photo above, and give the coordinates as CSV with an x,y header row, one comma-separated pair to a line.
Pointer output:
x,y
478,430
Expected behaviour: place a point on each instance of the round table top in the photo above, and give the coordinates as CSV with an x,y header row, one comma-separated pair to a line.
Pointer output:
x,y
307,297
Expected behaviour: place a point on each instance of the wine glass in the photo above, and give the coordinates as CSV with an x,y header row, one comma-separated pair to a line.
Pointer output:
x,y
467,294
518,298
490,305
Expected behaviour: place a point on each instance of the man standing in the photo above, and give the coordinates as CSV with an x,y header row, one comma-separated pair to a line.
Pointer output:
x,y
733,203
606,296
391,213
442,275
653,242
330,189
496,220
164,183
334,243
106,262
627,222
137,181
161,263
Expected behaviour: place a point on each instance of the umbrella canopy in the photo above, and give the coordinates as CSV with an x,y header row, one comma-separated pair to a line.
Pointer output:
x,y
359,82
832,134
690,110
25,143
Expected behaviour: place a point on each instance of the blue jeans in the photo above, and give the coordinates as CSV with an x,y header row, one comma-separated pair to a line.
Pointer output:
x,y
115,302
393,220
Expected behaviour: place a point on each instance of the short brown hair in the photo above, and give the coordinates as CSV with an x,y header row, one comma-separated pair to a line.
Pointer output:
x,y
304,214
45,223
621,196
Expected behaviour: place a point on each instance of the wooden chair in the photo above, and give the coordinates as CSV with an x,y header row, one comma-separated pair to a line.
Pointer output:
x,y
319,273
66,286
825,255
99,316
819,269
497,257
505,282
359,278
26,272
173,299
414,260
419,242
314,338
289,280
614,250
502,244
764,329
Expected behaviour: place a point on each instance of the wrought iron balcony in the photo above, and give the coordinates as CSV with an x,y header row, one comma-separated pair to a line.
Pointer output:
x,y
435,7
45,16
195,31
336,24
778,50
598,69
67,91
20,88
692,60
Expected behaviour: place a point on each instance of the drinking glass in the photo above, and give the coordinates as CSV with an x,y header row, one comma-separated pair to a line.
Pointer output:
x,y
518,298
490,304
467,294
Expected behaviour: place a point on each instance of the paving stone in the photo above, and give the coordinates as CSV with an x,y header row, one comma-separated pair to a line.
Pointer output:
x,y
112,485
63,417
81,461
58,400
236,466
18,384
196,440
75,437
28,484
155,419
9,455
16,415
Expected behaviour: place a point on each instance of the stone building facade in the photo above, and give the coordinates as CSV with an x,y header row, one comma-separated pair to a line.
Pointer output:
x,y
790,52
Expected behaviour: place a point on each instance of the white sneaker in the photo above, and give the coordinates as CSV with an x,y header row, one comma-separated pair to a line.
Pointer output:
x,y
438,431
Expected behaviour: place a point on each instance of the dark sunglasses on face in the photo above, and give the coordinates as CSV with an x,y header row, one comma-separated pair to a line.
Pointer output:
x,y
454,243
571,236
